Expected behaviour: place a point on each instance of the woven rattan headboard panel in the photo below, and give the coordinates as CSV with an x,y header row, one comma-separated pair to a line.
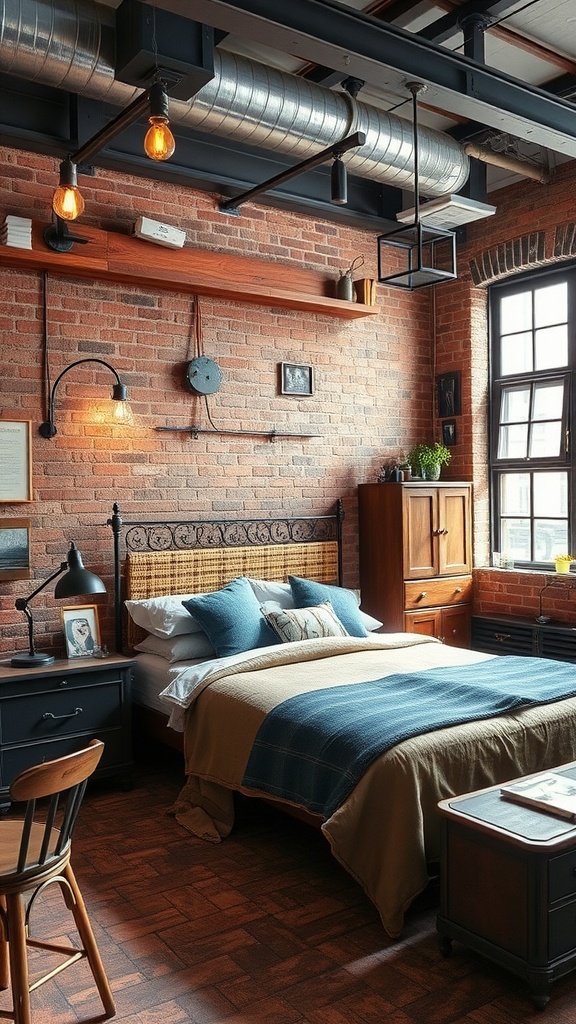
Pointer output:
x,y
195,557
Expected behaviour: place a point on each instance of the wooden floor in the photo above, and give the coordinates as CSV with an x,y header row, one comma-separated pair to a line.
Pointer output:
x,y
264,928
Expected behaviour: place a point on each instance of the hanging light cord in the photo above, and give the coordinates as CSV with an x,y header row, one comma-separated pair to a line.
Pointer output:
x,y
46,356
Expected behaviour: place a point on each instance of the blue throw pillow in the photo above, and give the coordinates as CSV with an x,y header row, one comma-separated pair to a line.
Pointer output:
x,y
308,593
232,619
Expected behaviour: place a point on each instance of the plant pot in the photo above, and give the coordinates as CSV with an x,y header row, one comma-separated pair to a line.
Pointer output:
x,y
562,564
431,473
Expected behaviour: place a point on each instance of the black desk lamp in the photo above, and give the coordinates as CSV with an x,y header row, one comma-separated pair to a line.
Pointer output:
x,y
76,581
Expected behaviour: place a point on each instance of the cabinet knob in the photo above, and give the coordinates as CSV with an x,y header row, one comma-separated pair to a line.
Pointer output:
x,y
458,590
423,594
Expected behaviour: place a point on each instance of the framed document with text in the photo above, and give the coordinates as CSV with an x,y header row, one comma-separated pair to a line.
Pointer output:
x,y
16,460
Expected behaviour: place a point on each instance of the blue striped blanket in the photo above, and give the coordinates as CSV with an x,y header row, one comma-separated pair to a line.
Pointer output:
x,y
312,749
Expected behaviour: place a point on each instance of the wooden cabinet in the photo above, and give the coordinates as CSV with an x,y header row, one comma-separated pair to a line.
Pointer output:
x,y
416,557
508,885
52,711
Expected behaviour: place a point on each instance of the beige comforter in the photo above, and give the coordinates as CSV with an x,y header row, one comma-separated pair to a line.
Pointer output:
x,y
387,831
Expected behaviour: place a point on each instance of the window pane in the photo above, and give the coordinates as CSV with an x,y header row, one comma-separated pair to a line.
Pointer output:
x,y
515,539
551,346
515,494
513,442
515,406
516,354
548,401
551,305
551,494
550,538
545,440
516,313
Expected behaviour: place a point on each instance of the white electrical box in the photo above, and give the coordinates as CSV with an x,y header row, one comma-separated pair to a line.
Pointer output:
x,y
161,234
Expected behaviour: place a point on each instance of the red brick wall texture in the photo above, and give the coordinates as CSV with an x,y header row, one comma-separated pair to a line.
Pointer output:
x,y
374,393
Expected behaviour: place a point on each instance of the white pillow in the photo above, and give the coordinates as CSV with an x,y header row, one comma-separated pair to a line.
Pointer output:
x,y
270,590
369,622
305,623
163,616
185,647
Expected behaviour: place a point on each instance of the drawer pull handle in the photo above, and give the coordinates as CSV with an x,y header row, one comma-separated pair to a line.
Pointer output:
x,y
458,590
501,638
77,711
423,594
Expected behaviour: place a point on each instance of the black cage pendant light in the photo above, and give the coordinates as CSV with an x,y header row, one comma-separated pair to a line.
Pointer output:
x,y
421,255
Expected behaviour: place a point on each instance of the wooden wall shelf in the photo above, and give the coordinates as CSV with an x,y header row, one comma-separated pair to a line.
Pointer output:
x,y
111,256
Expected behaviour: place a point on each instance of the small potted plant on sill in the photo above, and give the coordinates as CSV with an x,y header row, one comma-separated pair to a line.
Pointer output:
x,y
427,459
562,563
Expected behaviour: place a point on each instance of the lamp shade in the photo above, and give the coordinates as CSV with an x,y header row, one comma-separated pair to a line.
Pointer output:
x,y
78,580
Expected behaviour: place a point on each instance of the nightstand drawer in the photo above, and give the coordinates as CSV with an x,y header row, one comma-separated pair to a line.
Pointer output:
x,y
14,760
562,931
59,712
432,593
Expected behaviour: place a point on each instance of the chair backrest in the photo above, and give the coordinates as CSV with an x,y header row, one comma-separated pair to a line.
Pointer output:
x,y
64,782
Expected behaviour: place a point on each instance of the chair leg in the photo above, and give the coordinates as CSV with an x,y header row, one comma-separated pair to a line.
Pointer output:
x,y
4,967
18,958
86,934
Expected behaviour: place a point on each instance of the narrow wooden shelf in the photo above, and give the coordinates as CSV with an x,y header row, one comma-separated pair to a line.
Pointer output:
x,y
110,256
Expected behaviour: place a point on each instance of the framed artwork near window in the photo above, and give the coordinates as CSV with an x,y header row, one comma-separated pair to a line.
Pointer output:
x,y
296,379
449,433
15,459
15,549
449,394
81,630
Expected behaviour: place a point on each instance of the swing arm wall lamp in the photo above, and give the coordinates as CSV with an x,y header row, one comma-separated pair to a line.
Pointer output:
x,y
119,394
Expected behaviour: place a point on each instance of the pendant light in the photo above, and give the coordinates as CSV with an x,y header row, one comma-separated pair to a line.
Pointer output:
x,y
427,255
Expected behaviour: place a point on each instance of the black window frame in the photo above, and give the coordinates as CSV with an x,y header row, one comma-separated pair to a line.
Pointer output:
x,y
566,460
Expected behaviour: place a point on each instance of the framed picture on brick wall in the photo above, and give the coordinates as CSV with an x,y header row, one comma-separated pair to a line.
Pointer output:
x,y
15,459
449,394
296,379
15,549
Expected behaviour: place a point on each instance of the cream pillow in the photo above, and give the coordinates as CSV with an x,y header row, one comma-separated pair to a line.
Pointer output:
x,y
305,623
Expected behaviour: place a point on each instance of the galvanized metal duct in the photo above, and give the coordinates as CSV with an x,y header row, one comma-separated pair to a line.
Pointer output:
x,y
71,46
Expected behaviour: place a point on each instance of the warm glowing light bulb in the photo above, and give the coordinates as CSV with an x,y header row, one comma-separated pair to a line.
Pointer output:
x,y
68,202
122,414
159,143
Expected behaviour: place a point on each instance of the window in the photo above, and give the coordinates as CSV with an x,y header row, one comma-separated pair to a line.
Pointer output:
x,y
533,329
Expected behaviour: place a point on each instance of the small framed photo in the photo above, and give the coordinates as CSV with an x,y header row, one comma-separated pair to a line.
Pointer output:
x,y
15,549
449,433
81,630
296,379
449,394
15,459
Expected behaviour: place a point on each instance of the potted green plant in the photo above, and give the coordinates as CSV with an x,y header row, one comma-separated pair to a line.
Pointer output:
x,y
427,459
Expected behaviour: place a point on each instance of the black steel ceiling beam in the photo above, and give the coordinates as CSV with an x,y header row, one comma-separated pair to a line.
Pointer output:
x,y
445,27
324,32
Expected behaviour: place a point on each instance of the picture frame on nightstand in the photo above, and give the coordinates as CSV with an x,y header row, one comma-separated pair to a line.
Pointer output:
x,y
81,630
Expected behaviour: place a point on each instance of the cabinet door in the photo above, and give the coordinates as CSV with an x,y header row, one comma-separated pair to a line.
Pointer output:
x,y
420,532
427,622
451,625
454,531
455,626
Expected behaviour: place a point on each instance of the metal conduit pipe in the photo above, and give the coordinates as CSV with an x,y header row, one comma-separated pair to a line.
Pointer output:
x,y
508,163
71,45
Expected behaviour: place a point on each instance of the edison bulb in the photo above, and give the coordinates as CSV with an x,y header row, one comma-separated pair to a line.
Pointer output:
x,y
68,202
159,142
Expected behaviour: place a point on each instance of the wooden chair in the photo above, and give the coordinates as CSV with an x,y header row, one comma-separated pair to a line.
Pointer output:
x,y
34,853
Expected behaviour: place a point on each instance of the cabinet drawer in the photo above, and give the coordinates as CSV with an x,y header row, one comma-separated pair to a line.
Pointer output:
x,y
14,760
562,931
432,593
58,712
562,877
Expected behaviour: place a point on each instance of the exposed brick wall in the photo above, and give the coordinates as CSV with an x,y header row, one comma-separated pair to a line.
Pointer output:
x,y
374,378
373,393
